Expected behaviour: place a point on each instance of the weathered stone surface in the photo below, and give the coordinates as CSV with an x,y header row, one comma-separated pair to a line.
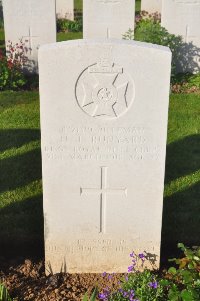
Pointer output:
x,y
31,21
182,17
65,9
152,6
107,18
104,108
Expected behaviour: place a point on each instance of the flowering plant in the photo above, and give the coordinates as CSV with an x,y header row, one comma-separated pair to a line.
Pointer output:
x,y
11,66
135,285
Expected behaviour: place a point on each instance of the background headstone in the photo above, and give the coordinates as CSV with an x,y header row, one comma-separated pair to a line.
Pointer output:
x,y
107,18
151,6
33,22
65,9
104,108
182,17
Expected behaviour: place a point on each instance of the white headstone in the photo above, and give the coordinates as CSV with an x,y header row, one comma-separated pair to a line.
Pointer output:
x,y
152,6
104,108
182,17
107,18
33,22
65,9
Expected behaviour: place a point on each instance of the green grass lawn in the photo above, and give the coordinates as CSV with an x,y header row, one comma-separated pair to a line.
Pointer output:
x,y
137,6
78,4
21,222
2,41
64,36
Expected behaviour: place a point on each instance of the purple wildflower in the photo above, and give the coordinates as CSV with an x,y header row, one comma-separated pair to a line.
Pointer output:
x,y
104,295
126,278
153,284
132,254
104,274
130,268
141,256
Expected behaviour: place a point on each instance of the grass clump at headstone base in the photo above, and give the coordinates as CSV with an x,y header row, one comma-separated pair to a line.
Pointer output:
x,y
21,222
4,295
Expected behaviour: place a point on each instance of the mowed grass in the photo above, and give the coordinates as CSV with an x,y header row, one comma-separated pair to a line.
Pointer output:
x,y
65,36
21,217
78,4
137,6
181,218
2,39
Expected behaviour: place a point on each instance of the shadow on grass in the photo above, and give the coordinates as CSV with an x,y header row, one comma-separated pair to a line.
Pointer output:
x,y
17,138
181,221
9,99
181,218
21,229
20,170
21,222
183,158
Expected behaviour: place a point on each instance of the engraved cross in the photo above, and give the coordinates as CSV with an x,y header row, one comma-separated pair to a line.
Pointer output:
x,y
187,34
103,191
29,39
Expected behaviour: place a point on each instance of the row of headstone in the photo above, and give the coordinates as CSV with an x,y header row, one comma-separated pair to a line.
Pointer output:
x,y
33,22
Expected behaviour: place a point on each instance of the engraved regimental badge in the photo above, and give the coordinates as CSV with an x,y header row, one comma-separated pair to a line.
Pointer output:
x,y
104,90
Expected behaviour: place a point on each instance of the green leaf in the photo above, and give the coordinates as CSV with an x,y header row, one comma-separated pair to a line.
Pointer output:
x,y
181,246
164,282
187,276
4,295
85,298
172,259
172,271
94,294
186,295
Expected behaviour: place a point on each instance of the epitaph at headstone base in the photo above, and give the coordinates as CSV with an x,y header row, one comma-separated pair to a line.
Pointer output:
x,y
104,111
